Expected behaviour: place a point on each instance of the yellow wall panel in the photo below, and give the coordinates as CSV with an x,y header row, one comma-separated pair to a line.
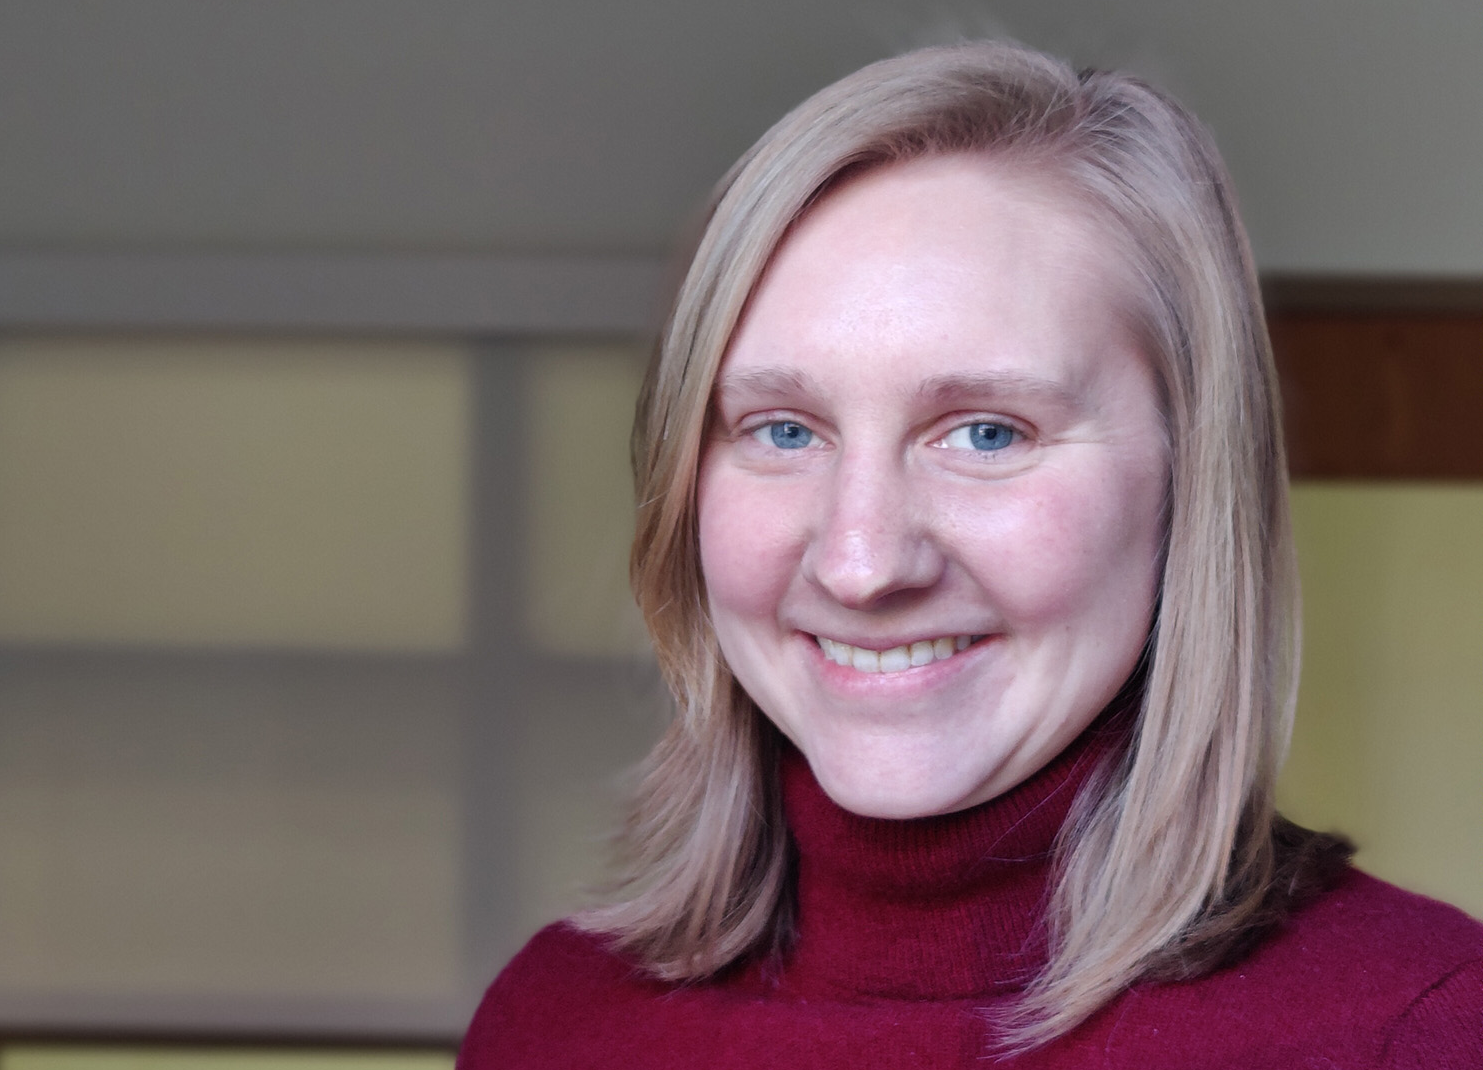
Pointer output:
x,y
579,517
295,893
1389,739
234,840
232,492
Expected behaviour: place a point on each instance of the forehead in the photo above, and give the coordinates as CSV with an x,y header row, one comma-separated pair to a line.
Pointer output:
x,y
956,259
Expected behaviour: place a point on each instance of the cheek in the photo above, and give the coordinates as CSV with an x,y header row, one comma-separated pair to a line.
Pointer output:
x,y
1118,543
746,556
1074,550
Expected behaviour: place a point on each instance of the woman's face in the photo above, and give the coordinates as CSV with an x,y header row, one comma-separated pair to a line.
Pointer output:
x,y
931,504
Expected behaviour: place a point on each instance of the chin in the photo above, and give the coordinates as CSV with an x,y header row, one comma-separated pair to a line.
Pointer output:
x,y
895,793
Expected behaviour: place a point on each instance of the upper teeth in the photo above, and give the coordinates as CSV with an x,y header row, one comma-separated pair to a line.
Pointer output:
x,y
898,658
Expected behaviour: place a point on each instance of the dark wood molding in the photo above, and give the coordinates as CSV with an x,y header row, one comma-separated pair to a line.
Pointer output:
x,y
1381,379
1371,293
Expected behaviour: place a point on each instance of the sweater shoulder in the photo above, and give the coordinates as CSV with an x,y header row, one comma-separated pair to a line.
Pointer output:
x,y
1442,1029
1430,956
1368,949
1367,975
1386,930
554,1003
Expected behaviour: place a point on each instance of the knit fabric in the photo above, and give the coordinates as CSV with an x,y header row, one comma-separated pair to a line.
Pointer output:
x,y
910,934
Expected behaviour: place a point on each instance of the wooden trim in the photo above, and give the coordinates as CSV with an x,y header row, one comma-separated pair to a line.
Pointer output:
x,y
1370,294
1381,379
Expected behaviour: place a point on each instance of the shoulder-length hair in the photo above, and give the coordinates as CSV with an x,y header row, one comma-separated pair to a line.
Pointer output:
x,y
1169,864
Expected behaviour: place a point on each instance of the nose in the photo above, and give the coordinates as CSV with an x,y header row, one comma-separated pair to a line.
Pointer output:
x,y
873,536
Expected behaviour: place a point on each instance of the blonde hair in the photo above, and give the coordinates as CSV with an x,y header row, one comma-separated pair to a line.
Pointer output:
x,y
1168,866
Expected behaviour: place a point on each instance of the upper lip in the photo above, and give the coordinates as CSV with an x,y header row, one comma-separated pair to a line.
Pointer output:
x,y
878,643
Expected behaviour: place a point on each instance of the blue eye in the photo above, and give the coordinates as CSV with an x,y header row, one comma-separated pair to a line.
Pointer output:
x,y
985,437
788,435
990,436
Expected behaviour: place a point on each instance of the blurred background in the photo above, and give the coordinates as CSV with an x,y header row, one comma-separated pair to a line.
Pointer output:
x,y
320,325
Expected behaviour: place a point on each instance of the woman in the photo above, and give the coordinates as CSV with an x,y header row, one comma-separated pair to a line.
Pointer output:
x,y
963,541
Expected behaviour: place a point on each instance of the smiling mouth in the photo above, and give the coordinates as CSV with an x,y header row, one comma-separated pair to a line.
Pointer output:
x,y
898,658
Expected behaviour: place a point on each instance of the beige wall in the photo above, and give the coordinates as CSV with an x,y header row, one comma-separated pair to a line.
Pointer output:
x,y
234,579
244,746
294,834
1389,739
234,492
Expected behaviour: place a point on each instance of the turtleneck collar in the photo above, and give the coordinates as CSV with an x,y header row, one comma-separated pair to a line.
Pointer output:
x,y
947,907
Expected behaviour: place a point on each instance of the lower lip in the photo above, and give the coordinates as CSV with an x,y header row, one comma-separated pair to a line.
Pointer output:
x,y
845,678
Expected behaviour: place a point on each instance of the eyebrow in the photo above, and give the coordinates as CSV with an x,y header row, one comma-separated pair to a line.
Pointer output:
x,y
947,389
766,381
953,385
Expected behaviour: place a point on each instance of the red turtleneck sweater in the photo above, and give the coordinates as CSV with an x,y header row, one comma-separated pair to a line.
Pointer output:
x,y
908,930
